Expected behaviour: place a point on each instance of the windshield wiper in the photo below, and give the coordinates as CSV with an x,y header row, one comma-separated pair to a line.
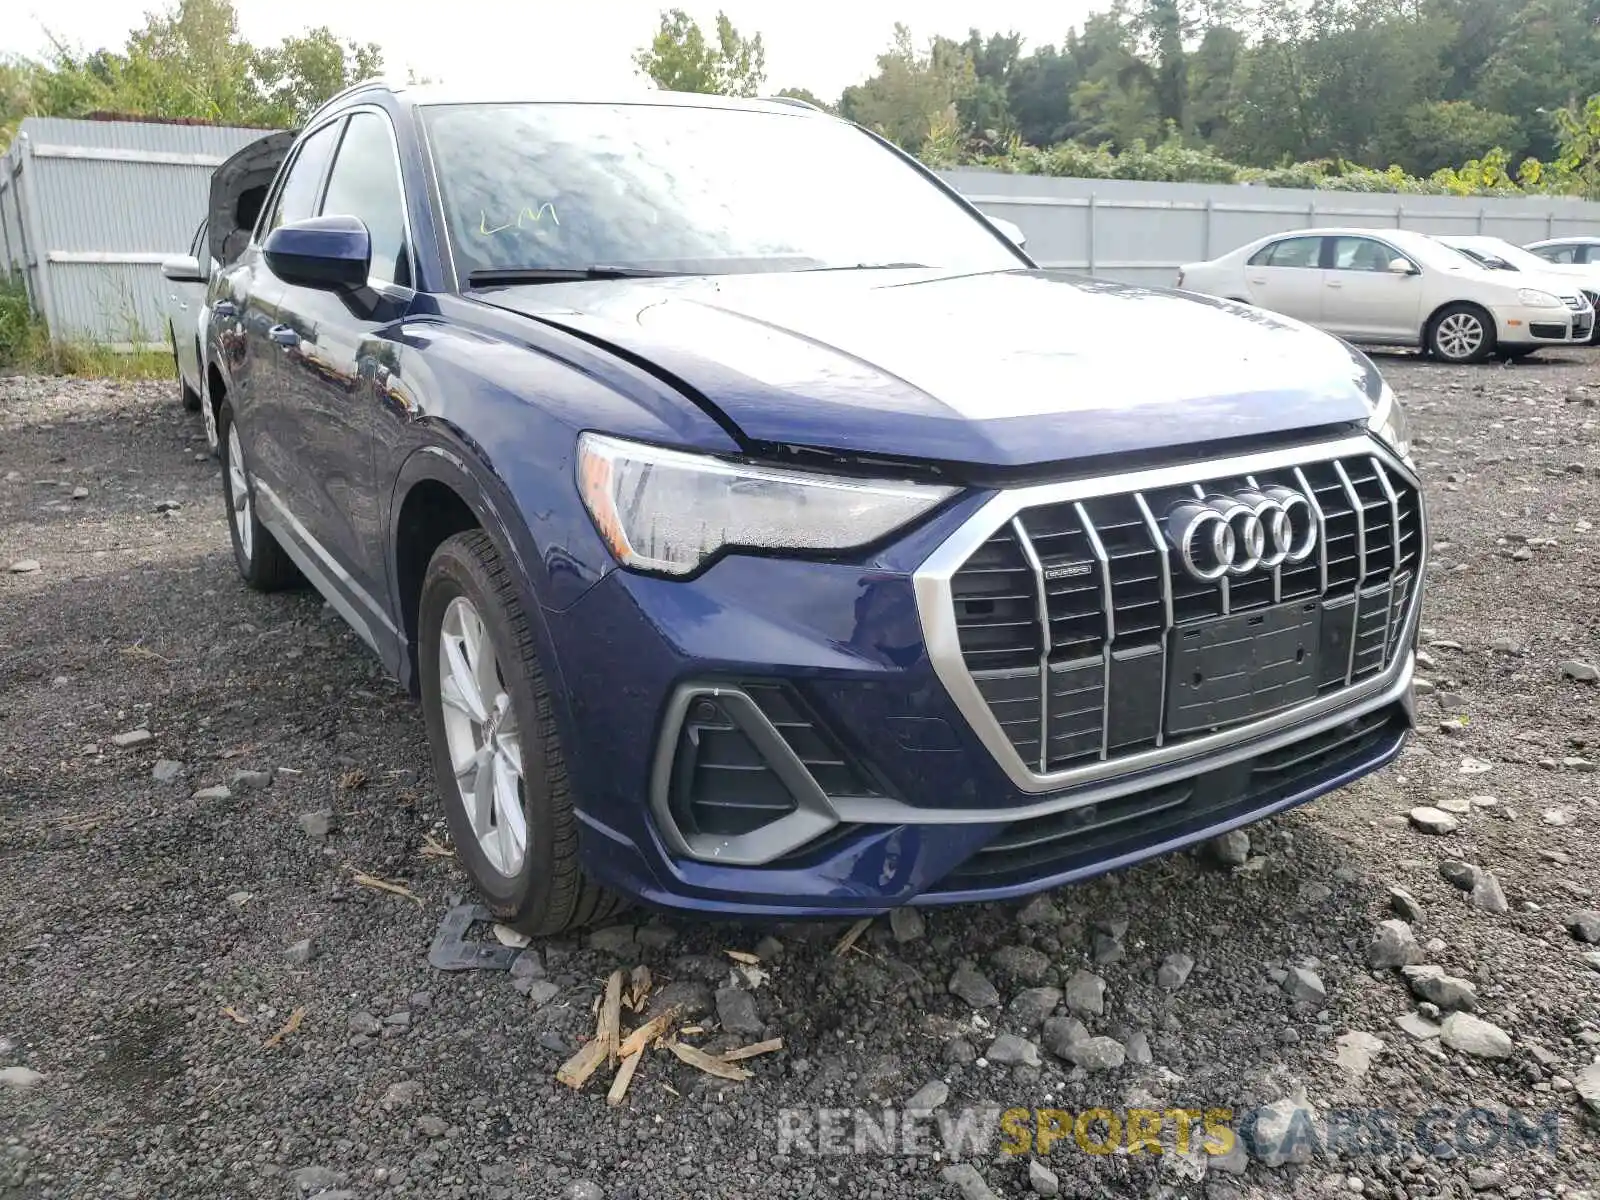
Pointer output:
x,y
493,275
866,266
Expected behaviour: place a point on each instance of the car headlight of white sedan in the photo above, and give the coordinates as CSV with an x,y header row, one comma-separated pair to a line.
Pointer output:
x,y
1534,298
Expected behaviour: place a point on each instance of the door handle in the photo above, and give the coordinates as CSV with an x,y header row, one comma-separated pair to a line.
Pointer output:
x,y
1334,283
284,336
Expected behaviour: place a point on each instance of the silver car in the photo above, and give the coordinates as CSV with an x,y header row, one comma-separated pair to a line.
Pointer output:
x,y
187,277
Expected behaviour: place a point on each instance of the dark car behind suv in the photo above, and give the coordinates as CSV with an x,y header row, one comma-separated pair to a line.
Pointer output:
x,y
764,533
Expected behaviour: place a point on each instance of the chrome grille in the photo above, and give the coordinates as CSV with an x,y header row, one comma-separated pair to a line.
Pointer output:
x,y
1068,616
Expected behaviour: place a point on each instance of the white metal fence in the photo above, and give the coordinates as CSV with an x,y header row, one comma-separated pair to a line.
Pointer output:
x,y
1143,232
88,209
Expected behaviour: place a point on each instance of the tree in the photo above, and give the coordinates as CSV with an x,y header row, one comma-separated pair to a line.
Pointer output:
x,y
914,92
680,59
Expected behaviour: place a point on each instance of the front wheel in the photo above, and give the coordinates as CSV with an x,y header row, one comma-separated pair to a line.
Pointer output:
x,y
261,561
497,761
1462,333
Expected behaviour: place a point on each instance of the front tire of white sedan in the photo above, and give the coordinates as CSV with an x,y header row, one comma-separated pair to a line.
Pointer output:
x,y
1461,333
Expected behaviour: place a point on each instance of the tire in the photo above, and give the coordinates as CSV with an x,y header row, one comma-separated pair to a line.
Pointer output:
x,y
261,561
538,888
1450,336
1594,334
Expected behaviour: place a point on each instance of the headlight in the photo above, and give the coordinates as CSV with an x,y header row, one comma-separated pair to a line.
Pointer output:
x,y
1388,423
668,511
1534,298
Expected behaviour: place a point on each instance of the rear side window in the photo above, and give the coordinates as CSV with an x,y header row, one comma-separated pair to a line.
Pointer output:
x,y
1291,252
297,198
366,183
1558,254
1361,254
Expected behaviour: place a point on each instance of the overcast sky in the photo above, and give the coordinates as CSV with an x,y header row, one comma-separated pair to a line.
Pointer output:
x,y
822,45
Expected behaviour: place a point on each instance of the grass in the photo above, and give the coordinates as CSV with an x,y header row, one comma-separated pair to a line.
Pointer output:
x,y
25,346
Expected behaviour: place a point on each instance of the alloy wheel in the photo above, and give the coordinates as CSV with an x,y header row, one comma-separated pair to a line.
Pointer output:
x,y
1460,335
483,737
239,492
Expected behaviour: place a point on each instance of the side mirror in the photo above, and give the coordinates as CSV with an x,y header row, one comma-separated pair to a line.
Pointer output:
x,y
1401,266
332,253
1011,230
183,268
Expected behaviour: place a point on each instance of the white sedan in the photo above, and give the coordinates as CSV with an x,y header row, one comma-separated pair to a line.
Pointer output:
x,y
1500,255
187,276
1394,287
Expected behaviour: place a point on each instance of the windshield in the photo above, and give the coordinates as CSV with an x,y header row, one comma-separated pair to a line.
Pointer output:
x,y
1484,259
686,189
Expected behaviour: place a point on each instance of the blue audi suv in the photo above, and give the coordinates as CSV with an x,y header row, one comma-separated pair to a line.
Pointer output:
x,y
764,533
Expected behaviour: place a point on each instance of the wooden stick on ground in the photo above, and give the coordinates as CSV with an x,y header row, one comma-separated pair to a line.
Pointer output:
x,y
611,1017
648,1032
576,1070
702,1061
619,1085
751,1051
852,935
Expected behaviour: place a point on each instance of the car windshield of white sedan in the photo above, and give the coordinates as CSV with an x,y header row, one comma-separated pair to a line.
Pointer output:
x,y
681,189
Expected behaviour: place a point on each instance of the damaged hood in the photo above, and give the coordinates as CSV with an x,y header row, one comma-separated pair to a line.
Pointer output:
x,y
1003,369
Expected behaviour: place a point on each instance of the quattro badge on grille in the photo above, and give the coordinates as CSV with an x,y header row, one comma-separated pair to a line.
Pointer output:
x,y
1233,534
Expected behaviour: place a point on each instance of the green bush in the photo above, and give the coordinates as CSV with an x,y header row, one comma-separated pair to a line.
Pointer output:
x,y
20,331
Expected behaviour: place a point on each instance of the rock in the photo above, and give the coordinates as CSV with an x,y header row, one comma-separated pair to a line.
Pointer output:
x,y
1433,820
1096,1054
1504,646
1559,817
132,737
1021,964
1430,983
1581,671
1138,1047
1472,1035
250,781
1060,1033
1107,949
928,1097
1032,1005
1587,1085
1487,1179
973,986
25,566
1085,993
965,1179
1235,1162
1232,849
1304,985
1460,874
613,939
1585,925
1356,1052
166,506
542,991
525,969
311,1180
906,924
319,825
1393,945
1487,895
1174,970
1041,910
216,792
1418,1026
300,953
768,949
400,1094
582,1189
1592,957
19,1079
1042,1179
960,1052
240,899
1405,904
1474,766
1009,1050
1283,1132
736,1011
166,770
1456,806
659,937
513,939
365,1024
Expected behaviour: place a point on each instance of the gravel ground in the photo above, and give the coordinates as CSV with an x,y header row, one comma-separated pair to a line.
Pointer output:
x,y
163,732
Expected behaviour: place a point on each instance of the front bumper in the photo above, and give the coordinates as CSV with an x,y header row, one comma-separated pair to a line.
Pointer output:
x,y
927,809
1518,325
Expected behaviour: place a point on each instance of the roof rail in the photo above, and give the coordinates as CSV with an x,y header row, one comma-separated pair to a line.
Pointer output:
x,y
795,101
362,85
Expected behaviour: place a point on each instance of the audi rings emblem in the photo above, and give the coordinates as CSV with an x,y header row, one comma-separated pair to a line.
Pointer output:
x,y
1234,534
